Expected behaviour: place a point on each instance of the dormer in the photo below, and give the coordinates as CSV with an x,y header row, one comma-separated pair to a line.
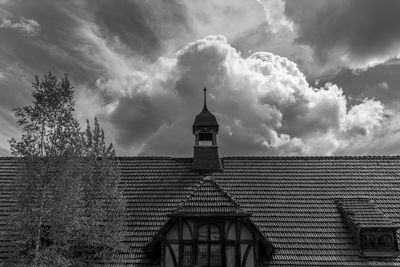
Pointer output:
x,y
209,228
373,232
205,130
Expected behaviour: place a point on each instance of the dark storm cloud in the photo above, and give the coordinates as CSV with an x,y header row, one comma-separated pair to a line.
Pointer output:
x,y
361,32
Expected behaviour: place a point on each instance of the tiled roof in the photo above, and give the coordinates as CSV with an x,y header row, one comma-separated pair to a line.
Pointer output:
x,y
209,198
292,201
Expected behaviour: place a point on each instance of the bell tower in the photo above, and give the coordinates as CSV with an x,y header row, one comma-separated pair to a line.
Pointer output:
x,y
205,130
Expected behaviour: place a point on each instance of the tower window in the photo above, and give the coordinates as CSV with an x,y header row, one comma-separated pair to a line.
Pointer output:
x,y
205,137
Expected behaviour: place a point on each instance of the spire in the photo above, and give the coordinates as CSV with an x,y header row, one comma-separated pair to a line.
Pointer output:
x,y
205,99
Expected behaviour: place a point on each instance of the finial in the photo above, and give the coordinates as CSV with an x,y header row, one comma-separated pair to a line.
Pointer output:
x,y
205,96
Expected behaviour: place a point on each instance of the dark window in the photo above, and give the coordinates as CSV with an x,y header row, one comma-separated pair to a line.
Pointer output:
x,y
378,240
203,232
187,255
210,246
205,137
203,255
215,255
370,241
385,241
214,233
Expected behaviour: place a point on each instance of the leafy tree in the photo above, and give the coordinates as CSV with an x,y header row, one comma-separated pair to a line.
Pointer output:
x,y
69,210
101,233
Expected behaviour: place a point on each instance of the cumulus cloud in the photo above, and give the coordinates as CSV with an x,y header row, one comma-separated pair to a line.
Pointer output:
x,y
357,34
28,27
263,103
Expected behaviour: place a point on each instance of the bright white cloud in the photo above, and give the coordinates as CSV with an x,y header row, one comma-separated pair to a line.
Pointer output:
x,y
263,103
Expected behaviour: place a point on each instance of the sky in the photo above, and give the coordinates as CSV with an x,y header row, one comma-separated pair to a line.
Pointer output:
x,y
283,77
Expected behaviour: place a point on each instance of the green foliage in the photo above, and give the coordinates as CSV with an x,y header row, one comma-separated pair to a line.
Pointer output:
x,y
69,210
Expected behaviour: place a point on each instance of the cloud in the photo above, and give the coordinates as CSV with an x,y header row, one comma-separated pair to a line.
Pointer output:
x,y
383,86
275,15
356,34
127,72
263,103
144,25
28,27
155,28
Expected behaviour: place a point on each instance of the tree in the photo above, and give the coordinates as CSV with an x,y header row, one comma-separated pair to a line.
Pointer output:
x,y
69,209
101,233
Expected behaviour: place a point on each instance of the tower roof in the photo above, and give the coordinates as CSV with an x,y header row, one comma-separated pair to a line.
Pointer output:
x,y
205,117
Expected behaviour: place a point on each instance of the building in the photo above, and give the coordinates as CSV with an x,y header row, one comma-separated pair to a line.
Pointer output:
x,y
253,211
